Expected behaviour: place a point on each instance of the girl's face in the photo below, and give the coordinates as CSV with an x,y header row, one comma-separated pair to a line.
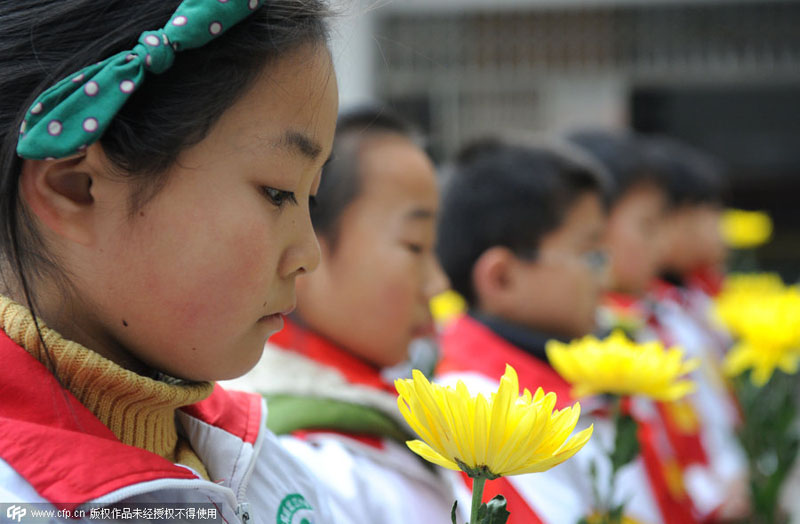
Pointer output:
x,y
195,281
371,292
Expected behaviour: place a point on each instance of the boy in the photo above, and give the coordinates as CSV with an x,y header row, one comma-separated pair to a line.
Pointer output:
x,y
637,207
712,463
520,238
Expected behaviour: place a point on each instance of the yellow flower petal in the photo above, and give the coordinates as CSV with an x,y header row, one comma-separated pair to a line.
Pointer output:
x,y
764,315
426,452
502,435
745,229
619,366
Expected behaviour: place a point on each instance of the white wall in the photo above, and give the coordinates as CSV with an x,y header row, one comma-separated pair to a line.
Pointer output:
x,y
353,48
570,101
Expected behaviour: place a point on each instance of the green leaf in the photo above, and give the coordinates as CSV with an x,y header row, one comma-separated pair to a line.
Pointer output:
x,y
494,512
453,512
626,445
615,514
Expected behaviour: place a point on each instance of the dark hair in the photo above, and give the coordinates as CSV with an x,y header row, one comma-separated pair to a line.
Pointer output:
x,y
692,177
623,155
340,184
42,41
499,194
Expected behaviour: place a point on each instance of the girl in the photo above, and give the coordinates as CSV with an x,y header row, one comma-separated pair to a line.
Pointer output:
x,y
357,314
175,160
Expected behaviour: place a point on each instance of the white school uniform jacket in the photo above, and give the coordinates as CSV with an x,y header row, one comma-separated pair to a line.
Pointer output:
x,y
352,435
55,454
683,319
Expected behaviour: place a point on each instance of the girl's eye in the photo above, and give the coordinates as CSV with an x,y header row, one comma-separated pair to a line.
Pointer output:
x,y
417,249
278,197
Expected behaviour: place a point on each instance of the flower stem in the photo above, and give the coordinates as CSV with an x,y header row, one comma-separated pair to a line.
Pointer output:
x,y
477,496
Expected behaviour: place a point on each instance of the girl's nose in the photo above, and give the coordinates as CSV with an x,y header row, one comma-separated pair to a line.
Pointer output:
x,y
303,255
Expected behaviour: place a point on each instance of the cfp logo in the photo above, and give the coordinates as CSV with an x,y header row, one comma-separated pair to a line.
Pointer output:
x,y
16,512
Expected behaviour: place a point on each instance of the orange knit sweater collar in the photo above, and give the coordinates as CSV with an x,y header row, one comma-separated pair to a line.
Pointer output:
x,y
139,410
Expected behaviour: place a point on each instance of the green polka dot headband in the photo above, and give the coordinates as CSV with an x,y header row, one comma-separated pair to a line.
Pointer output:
x,y
75,112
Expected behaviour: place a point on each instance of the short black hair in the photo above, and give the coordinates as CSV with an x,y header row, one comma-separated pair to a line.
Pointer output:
x,y
503,194
692,176
624,155
340,184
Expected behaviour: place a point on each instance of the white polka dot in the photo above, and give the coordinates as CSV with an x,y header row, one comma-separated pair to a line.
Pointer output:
x,y
223,1
90,125
148,60
54,127
78,78
215,28
24,126
252,4
152,40
127,86
179,21
37,108
91,88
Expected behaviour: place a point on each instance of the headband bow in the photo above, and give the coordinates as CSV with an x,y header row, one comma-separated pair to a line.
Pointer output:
x,y
76,111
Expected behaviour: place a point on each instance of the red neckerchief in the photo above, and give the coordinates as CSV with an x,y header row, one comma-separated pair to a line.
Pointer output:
x,y
707,279
68,456
469,346
298,340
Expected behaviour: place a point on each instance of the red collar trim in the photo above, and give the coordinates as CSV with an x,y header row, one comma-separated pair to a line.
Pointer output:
x,y
623,302
304,342
707,279
67,454
235,412
469,346
663,290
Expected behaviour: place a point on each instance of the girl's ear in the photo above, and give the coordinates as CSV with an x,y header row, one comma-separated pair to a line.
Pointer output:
x,y
491,278
59,193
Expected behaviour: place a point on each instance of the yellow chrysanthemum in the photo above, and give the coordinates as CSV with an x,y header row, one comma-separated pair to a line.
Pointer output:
x,y
446,306
745,229
741,298
768,328
508,434
752,284
619,366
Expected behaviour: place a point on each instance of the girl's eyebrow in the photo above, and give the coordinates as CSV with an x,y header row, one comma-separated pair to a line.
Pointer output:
x,y
420,213
299,142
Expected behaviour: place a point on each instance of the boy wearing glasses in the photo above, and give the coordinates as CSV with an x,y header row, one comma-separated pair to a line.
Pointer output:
x,y
520,237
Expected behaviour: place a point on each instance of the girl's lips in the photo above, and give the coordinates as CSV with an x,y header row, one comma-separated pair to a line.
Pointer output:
x,y
274,321
284,313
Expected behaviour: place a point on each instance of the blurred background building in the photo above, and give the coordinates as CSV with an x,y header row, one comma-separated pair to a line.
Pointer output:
x,y
723,75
